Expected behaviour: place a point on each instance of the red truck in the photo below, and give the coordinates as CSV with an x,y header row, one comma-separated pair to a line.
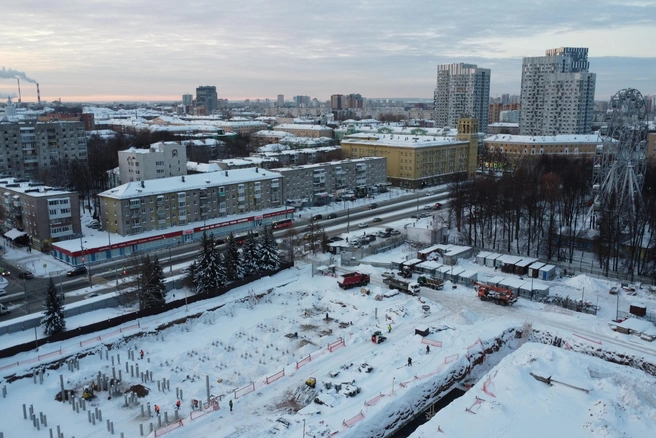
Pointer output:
x,y
353,279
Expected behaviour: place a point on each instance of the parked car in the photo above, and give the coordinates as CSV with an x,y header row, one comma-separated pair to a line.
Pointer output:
x,y
395,232
376,219
373,205
91,295
414,216
363,225
437,206
423,215
389,229
316,217
5,273
93,223
388,274
4,310
25,275
78,270
335,239
332,216
428,207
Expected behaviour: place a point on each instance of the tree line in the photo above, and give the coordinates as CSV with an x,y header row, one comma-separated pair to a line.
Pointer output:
x,y
544,208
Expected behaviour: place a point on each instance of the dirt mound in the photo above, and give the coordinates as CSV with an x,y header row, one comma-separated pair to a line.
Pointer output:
x,y
140,390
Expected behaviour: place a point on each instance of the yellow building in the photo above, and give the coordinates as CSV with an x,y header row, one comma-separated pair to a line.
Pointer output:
x,y
414,161
651,145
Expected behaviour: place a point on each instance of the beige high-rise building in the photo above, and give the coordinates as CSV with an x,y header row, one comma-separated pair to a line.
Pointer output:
x,y
463,90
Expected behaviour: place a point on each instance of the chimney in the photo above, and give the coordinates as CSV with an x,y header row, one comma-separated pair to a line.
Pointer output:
x,y
19,95
143,184
38,94
183,179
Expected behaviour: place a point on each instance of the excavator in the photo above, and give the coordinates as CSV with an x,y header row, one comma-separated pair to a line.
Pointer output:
x,y
498,295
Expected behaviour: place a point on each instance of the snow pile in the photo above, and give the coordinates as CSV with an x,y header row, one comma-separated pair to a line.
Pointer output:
x,y
464,317
587,397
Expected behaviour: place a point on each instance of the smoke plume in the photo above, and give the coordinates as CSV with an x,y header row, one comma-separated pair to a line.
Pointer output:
x,y
10,73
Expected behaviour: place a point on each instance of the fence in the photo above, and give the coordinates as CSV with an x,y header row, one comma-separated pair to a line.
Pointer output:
x,y
245,390
352,421
431,342
168,428
275,376
304,361
336,345
129,317
374,400
452,358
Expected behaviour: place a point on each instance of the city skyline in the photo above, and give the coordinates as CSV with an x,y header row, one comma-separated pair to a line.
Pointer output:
x,y
161,50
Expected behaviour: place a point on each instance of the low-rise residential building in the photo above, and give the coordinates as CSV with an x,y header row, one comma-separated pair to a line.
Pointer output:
x,y
264,137
138,207
514,147
29,147
306,130
319,183
242,127
416,161
160,160
503,128
286,157
44,214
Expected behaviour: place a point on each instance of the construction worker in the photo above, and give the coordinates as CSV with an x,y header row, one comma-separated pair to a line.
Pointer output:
x,y
389,328
156,410
177,404
427,349
230,404
141,353
409,361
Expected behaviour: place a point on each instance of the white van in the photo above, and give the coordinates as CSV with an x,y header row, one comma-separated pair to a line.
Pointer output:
x,y
3,309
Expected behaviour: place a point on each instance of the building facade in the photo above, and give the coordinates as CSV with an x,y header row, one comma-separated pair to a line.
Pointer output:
x,y
206,96
496,109
337,102
28,147
46,214
354,101
161,160
138,207
415,161
312,131
463,90
319,183
514,147
245,127
557,93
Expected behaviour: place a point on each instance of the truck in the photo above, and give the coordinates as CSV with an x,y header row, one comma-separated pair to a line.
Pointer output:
x,y
353,279
433,283
498,295
405,272
409,287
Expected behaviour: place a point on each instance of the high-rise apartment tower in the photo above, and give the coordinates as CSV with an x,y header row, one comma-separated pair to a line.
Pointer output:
x,y
557,94
463,90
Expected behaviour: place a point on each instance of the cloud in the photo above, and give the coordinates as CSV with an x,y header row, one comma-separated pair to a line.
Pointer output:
x,y
259,48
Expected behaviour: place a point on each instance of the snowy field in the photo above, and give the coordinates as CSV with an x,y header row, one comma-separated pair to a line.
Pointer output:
x,y
587,397
239,343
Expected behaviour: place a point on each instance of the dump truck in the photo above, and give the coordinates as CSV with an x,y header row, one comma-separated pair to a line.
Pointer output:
x,y
353,279
498,295
432,282
409,287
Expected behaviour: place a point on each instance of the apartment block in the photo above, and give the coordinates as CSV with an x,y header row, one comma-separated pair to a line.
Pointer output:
x,y
302,130
160,160
514,147
45,214
26,147
463,90
414,161
207,98
138,207
318,183
557,93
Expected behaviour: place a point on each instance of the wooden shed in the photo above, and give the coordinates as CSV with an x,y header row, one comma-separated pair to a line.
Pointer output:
x,y
521,267
507,263
534,269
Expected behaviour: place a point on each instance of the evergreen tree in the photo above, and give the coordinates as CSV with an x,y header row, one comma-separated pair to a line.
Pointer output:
x,y
269,258
153,289
250,255
232,260
208,271
54,320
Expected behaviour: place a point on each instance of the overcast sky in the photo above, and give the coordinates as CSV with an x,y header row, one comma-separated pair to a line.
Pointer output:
x,y
158,50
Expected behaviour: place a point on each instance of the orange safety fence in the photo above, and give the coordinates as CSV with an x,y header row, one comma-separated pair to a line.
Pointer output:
x,y
168,428
587,339
88,341
475,407
486,386
431,342
452,358
404,384
352,421
337,344
275,376
245,390
374,400
304,361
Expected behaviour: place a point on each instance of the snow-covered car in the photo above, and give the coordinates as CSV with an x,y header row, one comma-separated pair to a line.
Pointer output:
x,y
428,207
376,219
388,274
363,225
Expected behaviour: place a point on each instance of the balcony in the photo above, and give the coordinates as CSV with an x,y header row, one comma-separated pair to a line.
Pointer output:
x,y
134,205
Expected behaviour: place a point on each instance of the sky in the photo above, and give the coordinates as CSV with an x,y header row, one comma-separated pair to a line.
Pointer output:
x,y
159,50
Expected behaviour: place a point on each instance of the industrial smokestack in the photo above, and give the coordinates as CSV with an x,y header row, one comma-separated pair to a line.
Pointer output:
x,y
38,94
19,95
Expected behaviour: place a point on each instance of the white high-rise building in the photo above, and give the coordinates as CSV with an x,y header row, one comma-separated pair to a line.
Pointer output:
x,y
557,94
463,90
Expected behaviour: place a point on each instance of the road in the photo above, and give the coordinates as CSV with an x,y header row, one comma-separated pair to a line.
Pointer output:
x,y
31,293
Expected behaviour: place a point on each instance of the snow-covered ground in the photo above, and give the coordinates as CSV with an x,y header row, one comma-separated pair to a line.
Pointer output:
x,y
238,342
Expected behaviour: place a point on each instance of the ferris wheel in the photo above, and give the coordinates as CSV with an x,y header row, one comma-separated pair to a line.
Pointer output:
x,y
620,160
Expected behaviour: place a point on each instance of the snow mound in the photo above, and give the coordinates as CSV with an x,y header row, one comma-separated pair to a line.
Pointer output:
x,y
464,317
591,284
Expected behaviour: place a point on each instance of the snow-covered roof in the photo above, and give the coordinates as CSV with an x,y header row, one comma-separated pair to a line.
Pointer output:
x,y
265,133
393,140
504,125
303,127
191,182
29,188
193,166
543,139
